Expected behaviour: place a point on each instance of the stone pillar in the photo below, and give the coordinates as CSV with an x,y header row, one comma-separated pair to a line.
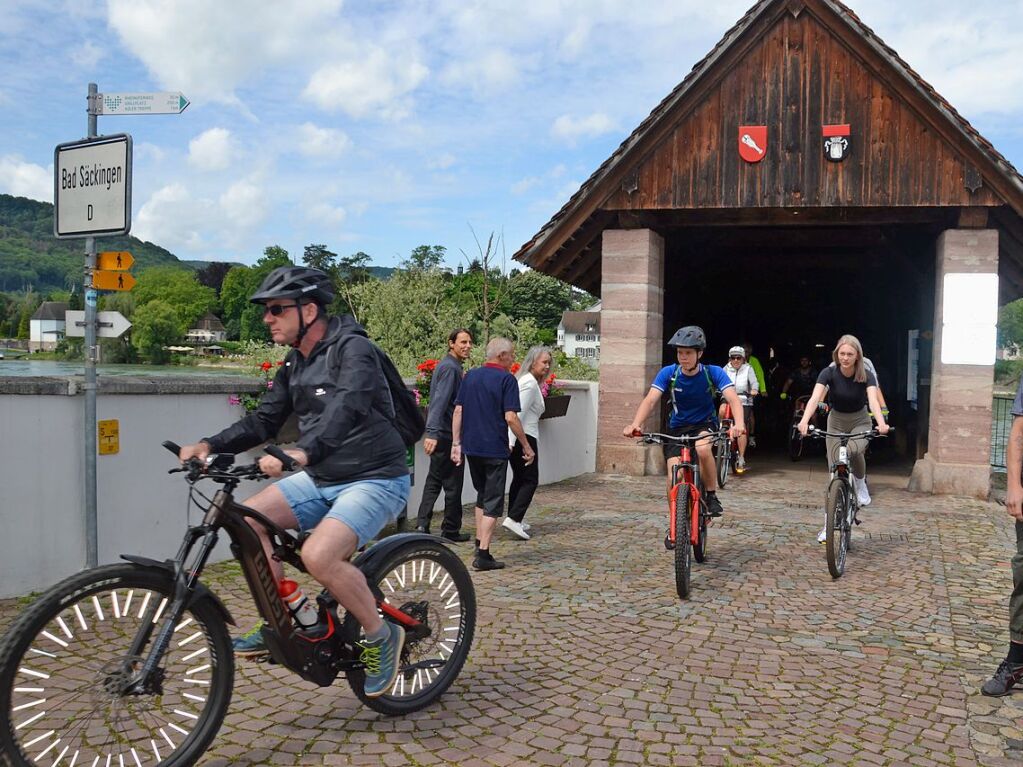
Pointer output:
x,y
959,436
631,345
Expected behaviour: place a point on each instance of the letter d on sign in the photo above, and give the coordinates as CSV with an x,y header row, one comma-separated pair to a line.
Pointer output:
x,y
90,213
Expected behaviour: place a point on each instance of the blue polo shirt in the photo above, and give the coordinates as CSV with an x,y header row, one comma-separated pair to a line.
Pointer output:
x,y
693,401
486,394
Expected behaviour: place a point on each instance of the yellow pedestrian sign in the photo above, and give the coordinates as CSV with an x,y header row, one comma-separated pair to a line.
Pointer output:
x,y
114,260
112,280
109,437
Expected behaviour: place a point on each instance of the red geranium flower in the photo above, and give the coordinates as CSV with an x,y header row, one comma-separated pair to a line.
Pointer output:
x,y
266,366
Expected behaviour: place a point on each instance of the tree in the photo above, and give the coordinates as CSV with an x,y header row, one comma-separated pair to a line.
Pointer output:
x,y
538,297
351,271
29,304
318,257
212,275
154,326
489,299
424,258
1010,324
179,289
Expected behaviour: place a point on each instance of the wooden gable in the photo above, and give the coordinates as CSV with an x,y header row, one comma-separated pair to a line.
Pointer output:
x,y
793,66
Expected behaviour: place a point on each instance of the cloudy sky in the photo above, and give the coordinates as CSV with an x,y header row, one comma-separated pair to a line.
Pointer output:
x,y
380,126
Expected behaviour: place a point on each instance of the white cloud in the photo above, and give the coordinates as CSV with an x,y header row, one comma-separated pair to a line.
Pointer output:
x,y
315,141
88,55
174,219
213,149
571,129
442,161
25,179
370,82
327,215
207,50
244,204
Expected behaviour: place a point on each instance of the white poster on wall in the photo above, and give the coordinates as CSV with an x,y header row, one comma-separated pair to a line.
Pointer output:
x,y
969,317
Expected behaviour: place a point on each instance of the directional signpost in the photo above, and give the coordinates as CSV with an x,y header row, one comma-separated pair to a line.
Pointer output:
x,y
142,103
111,324
91,198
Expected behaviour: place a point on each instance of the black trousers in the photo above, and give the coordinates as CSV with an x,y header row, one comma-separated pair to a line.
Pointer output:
x,y
524,480
443,474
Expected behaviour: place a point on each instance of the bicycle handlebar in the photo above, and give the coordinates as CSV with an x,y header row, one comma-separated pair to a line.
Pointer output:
x,y
652,438
813,431
220,466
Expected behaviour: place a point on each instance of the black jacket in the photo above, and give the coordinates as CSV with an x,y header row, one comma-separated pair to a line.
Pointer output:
x,y
345,415
447,378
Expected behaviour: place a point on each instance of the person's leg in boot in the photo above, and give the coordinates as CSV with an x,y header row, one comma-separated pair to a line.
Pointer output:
x,y
496,472
526,479
1010,671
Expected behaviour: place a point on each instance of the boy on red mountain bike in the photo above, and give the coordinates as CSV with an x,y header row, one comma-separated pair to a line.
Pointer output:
x,y
691,387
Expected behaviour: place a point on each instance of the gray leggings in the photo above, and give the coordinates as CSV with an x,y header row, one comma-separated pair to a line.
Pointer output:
x,y
850,423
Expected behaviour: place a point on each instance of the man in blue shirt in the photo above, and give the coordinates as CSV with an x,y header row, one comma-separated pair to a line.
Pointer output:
x,y
487,406
691,386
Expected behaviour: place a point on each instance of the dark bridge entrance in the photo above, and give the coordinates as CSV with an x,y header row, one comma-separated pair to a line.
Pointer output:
x,y
803,182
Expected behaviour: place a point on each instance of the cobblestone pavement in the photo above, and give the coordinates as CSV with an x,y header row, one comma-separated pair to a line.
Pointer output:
x,y
585,656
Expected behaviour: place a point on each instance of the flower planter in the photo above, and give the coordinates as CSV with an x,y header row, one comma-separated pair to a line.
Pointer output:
x,y
556,406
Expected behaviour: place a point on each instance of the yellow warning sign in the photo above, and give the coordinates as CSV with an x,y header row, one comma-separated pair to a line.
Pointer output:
x,y
112,280
109,437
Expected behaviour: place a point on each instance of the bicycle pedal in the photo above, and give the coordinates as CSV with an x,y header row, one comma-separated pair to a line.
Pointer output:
x,y
669,544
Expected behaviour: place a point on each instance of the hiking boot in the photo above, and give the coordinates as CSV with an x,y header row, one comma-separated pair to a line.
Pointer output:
x,y
381,658
515,528
1006,677
713,505
250,644
486,563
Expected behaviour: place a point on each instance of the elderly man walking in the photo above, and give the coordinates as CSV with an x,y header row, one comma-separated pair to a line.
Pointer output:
x,y
486,407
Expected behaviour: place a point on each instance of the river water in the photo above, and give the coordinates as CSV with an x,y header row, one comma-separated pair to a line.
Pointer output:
x,y
30,367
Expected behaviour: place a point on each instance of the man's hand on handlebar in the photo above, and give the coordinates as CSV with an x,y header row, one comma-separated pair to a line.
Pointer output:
x,y
199,450
274,467
882,428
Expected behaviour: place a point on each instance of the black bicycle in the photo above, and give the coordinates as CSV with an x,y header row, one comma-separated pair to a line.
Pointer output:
x,y
131,664
841,504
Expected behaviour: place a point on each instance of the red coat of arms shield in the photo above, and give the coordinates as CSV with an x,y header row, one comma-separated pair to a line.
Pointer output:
x,y
752,142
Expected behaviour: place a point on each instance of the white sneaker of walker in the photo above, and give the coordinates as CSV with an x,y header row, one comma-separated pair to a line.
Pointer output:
x,y
526,526
862,493
515,528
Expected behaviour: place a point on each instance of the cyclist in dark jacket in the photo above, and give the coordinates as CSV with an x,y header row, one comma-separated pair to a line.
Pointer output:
x,y
353,479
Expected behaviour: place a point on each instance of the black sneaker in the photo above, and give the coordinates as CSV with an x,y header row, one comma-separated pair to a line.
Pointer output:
x,y
486,563
1006,677
455,537
714,505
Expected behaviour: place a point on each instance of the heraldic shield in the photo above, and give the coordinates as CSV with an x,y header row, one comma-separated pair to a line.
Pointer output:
x,y
752,142
836,142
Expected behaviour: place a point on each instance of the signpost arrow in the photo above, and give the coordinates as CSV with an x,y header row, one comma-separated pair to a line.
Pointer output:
x,y
114,260
111,324
166,103
112,280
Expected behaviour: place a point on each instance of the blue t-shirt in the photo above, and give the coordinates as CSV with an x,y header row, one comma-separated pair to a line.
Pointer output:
x,y
693,402
486,394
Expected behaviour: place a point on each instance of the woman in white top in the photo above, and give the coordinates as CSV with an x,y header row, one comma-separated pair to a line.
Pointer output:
x,y
747,387
526,476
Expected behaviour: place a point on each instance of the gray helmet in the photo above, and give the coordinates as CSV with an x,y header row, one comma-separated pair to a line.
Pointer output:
x,y
302,283
690,337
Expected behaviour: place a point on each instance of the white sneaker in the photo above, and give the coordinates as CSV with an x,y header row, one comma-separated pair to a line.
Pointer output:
x,y
515,528
862,494
526,526
822,536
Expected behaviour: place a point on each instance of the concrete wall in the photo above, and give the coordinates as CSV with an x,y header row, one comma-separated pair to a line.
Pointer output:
x,y
141,509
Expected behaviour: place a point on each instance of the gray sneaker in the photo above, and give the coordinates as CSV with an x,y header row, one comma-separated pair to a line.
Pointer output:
x,y
1006,677
381,658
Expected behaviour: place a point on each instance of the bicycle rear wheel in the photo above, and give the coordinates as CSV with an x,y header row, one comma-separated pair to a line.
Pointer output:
x,y
700,547
683,543
427,581
836,526
66,668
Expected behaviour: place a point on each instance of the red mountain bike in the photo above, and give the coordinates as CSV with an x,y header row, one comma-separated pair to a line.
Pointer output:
x,y
726,450
687,511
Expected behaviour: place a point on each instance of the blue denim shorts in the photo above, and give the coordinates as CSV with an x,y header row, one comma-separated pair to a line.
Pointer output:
x,y
365,506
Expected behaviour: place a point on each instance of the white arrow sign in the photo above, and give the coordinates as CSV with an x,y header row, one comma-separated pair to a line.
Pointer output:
x,y
172,103
111,324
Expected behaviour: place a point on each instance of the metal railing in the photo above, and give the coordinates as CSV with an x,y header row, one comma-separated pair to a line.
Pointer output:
x,y
1001,421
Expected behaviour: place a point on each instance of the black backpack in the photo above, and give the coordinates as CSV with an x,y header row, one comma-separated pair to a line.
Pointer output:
x,y
408,418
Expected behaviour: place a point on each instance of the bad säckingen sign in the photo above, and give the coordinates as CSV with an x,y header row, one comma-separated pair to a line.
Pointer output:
x,y
92,187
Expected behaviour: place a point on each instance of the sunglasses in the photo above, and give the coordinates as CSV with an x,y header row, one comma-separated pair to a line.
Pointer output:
x,y
736,357
278,309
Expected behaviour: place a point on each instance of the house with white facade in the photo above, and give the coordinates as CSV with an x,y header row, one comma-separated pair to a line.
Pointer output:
x,y
46,326
579,334
208,330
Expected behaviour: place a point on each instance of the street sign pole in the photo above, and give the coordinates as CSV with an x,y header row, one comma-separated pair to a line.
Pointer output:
x,y
91,533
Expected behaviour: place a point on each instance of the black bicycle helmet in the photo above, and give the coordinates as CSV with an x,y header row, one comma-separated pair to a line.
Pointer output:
x,y
690,337
304,284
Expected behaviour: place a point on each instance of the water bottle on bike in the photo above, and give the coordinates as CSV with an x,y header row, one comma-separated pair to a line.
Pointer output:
x,y
303,611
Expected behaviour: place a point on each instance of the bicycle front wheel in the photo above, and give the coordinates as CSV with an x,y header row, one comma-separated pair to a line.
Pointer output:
x,y
67,668
836,526
723,459
683,543
427,581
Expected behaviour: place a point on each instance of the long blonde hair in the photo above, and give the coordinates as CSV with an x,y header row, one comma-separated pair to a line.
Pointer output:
x,y
534,353
859,372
